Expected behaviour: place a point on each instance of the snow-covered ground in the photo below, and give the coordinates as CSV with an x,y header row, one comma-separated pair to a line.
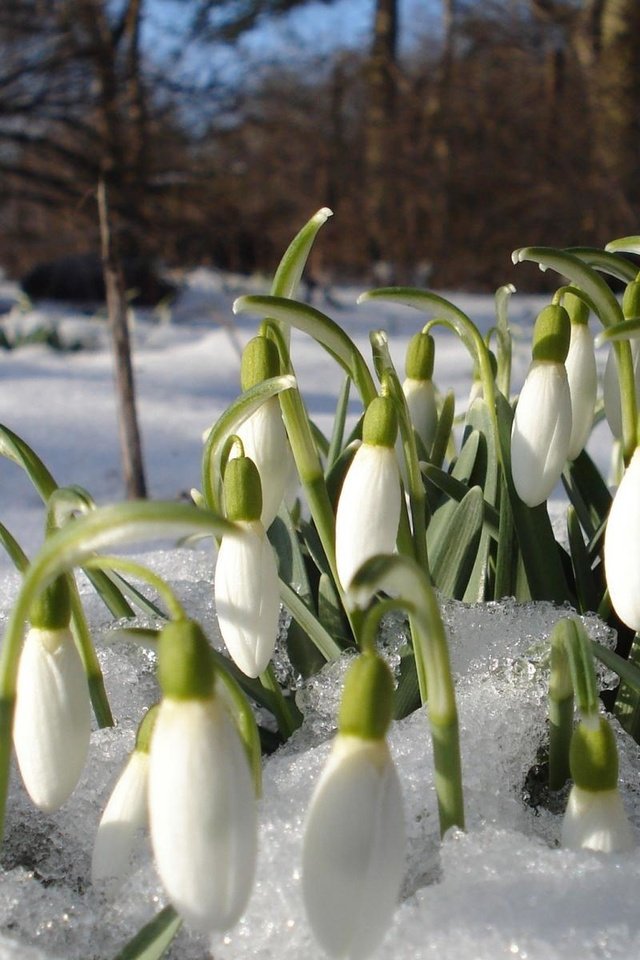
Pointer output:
x,y
501,890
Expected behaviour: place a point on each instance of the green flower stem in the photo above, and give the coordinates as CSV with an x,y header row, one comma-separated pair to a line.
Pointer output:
x,y
560,732
69,547
138,570
288,722
95,680
402,577
245,721
13,549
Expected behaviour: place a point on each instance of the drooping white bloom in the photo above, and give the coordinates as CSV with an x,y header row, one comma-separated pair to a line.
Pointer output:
x,y
353,853
611,388
202,812
247,597
541,431
596,820
622,546
265,441
421,401
124,816
52,724
583,386
368,509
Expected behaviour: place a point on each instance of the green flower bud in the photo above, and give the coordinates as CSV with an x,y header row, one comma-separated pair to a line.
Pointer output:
x,y
185,664
260,361
420,356
380,425
366,709
551,334
52,609
631,300
593,756
242,490
576,308
145,729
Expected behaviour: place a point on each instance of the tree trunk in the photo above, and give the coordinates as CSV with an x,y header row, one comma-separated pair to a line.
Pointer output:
x,y
130,445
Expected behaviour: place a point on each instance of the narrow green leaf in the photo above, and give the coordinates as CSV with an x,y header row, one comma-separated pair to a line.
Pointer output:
x,y
457,490
337,434
330,611
585,586
626,330
478,586
443,430
606,262
624,245
508,556
407,695
461,470
15,449
151,942
324,330
587,492
290,269
627,705
627,670
312,627
291,563
13,549
452,554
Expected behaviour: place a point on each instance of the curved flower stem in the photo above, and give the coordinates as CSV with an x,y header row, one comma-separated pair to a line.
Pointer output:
x,y
141,572
402,576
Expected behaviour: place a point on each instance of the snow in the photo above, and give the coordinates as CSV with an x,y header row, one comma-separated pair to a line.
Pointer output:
x,y
502,889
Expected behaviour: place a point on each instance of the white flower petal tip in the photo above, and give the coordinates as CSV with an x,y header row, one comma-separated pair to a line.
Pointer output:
x,y
52,724
597,821
202,811
622,547
368,509
247,597
421,401
354,848
124,817
541,432
265,441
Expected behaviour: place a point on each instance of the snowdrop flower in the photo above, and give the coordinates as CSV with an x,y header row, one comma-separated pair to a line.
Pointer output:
x,y
541,428
126,812
202,807
354,840
263,435
369,505
581,374
595,818
52,723
246,586
622,544
418,387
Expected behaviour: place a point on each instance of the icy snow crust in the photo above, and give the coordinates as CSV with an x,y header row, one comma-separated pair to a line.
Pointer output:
x,y
502,889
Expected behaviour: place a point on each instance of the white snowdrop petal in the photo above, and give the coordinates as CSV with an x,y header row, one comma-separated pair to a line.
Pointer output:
x,y
353,852
247,598
583,386
541,432
124,815
202,813
52,724
265,442
622,546
368,509
596,821
421,401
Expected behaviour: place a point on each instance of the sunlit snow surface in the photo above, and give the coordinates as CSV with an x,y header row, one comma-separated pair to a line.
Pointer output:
x,y
502,889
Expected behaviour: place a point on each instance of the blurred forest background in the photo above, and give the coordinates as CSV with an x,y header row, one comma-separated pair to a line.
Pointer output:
x,y
443,136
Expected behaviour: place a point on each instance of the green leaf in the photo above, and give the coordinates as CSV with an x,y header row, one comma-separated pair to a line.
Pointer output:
x,y
407,695
290,269
478,418
606,262
452,554
309,623
626,330
457,490
331,612
572,267
337,434
462,470
15,449
13,549
443,430
325,331
625,245
587,492
585,586
151,942
291,564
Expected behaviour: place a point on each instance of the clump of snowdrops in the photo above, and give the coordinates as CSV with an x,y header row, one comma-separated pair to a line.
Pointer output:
x,y
341,530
